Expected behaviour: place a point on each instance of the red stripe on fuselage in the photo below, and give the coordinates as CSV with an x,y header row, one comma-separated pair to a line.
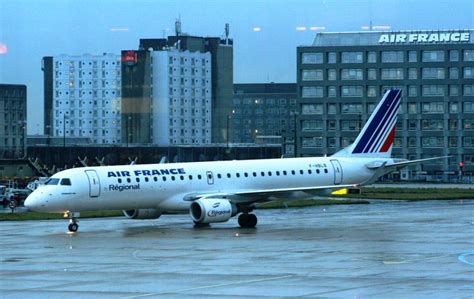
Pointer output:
x,y
388,142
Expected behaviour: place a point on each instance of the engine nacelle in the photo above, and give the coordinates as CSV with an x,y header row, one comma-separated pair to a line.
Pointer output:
x,y
142,214
211,210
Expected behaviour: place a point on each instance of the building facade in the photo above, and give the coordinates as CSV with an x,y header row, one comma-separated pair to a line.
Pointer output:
x,y
182,96
141,121
263,113
342,76
83,97
12,121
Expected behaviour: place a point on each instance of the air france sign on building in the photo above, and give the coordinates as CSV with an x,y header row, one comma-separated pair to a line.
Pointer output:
x,y
428,38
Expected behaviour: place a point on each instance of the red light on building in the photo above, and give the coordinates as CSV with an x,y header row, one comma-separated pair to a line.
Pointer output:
x,y
461,164
129,57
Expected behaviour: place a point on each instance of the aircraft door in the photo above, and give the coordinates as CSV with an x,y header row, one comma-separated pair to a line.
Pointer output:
x,y
210,177
94,183
337,172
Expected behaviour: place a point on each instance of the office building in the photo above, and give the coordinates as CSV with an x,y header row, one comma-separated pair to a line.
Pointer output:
x,y
342,76
83,97
263,113
12,121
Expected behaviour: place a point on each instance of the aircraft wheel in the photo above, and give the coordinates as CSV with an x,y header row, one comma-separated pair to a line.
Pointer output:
x,y
247,220
73,227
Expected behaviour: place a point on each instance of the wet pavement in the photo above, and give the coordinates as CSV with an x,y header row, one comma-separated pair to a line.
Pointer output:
x,y
391,249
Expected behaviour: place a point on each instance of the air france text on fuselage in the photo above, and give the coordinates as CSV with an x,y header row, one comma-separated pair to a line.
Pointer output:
x,y
146,172
400,38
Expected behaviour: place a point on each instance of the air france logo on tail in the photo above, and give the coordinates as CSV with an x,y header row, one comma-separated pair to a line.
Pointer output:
x,y
378,133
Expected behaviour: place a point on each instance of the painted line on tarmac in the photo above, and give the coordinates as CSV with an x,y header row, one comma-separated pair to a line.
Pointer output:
x,y
462,258
413,260
209,286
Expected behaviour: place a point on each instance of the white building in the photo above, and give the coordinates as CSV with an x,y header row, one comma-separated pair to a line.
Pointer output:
x,y
181,97
87,101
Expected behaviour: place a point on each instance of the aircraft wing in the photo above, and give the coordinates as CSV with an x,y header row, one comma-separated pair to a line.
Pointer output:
x,y
260,194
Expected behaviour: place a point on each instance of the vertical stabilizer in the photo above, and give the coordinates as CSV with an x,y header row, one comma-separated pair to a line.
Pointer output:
x,y
376,138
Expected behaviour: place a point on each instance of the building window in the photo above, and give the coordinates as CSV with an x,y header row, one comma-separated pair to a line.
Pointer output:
x,y
312,108
412,56
468,124
432,125
453,125
468,107
392,74
412,108
392,56
331,125
331,108
351,91
453,73
432,142
372,74
351,109
468,55
433,56
351,57
312,92
432,73
468,90
453,142
371,91
469,72
332,74
331,91
349,125
412,73
433,90
312,125
454,55
331,57
312,58
453,90
412,125
312,75
351,74
312,142
412,91
433,107
331,141
372,57
453,108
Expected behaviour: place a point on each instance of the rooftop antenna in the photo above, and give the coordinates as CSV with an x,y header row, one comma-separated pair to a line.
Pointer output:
x,y
227,30
177,26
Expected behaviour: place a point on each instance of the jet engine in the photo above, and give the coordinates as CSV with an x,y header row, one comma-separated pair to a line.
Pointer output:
x,y
210,210
142,214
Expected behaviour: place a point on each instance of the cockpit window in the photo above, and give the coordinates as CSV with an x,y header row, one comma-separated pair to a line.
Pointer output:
x,y
52,182
66,182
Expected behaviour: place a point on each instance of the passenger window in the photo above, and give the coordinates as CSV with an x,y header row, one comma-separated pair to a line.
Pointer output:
x,y
293,172
325,171
199,176
278,173
237,175
181,177
164,179
66,182
190,177
155,179
219,176
246,175
138,180
120,181
146,179
284,172
262,173
309,171
129,180
172,178
317,171
254,174
228,175
301,171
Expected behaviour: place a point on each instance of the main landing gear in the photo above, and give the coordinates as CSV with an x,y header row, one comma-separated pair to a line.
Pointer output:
x,y
247,220
73,226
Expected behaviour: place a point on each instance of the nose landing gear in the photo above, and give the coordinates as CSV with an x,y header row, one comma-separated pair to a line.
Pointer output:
x,y
73,226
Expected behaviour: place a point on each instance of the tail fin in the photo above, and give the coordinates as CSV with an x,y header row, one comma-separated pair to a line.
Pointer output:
x,y
376,138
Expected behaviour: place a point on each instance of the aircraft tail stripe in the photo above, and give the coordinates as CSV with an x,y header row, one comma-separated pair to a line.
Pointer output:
x,y
383,129
388,142
384,110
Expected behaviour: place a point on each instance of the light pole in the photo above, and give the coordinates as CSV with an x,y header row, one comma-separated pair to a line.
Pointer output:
x,y
48,128
295,115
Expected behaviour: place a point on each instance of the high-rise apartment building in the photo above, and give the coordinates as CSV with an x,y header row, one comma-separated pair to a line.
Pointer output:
x,y
83,97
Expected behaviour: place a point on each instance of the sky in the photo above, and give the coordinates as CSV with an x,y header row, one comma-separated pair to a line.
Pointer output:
x,y
32,29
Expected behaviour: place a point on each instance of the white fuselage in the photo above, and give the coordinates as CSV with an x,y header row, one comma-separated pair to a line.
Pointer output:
x,y
165,187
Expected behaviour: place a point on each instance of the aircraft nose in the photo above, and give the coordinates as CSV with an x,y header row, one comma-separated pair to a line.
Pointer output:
x,y
31,202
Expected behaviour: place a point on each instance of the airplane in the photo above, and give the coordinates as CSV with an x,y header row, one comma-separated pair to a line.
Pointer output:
x,y
216,191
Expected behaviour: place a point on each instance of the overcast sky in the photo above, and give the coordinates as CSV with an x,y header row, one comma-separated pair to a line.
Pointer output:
x,y
32,29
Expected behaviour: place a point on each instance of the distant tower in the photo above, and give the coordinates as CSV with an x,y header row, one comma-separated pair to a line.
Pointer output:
x,y
177,26
226,33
